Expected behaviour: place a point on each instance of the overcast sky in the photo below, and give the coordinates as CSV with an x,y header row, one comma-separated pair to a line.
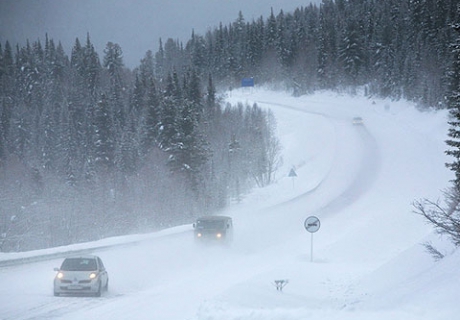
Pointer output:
x,y
136,25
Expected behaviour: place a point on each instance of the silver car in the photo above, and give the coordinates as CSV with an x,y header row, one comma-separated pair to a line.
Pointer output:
x,y
81,275
358,121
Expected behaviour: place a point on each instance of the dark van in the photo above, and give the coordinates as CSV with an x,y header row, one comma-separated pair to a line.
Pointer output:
x,y
214,228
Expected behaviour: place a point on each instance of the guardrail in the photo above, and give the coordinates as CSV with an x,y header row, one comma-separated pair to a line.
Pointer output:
x,y
55,255
85,248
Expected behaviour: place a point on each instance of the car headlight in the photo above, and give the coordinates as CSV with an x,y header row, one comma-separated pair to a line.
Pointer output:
x,y
93,275
219,235
60,275
198,235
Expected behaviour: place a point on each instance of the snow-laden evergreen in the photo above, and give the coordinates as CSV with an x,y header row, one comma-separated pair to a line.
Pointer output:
x,y
135,151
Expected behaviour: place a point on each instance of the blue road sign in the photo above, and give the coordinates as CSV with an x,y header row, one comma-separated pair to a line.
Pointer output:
x,y
247,82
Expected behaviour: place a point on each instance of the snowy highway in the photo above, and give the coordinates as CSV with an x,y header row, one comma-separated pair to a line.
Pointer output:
x,y
368,262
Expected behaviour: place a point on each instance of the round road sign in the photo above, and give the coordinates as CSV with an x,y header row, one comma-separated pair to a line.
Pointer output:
x,y
312,224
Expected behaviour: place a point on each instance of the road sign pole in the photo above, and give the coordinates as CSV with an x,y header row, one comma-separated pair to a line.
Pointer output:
x,y
312,224
311,248
292,174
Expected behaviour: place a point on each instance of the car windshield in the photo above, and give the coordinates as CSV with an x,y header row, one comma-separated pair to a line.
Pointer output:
x,y
79,264
211,224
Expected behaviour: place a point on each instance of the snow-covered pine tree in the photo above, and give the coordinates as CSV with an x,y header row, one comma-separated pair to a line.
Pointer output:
x,y
351,53
454,105
7,98
113,63
150,125
169,112
104,144
446,219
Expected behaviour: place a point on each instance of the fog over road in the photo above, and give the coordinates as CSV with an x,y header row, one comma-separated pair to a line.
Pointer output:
x,y
347,176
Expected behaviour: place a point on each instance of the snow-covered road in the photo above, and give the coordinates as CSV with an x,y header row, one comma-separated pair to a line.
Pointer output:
x,y
367,263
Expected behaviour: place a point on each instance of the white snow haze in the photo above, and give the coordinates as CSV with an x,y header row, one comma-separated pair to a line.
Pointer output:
x,y
136,25
366,262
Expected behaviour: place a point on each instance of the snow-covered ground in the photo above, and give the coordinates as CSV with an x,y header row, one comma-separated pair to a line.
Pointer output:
x,y
365,262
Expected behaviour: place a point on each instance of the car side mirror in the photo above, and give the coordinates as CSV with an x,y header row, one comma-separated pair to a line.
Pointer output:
x,y
56,269
194,225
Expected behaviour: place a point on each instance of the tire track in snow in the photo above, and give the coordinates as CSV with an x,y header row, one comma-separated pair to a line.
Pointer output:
x,y
368,167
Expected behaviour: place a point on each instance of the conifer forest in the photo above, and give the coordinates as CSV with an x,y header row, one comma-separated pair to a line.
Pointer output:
x,y
91,149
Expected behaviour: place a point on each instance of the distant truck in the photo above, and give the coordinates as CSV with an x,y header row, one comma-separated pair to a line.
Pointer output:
x,y
214,229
